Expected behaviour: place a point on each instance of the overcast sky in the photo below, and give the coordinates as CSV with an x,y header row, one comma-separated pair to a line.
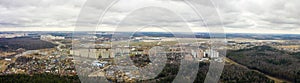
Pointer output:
x,y
237,16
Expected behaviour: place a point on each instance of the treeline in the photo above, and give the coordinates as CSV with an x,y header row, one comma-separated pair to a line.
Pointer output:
x,y
231,74
269,60
38,78
12,44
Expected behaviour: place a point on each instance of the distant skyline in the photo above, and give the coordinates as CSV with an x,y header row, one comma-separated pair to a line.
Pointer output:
x,y
238,16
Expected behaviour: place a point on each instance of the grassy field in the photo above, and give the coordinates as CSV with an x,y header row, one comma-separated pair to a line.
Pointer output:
x,y
3,65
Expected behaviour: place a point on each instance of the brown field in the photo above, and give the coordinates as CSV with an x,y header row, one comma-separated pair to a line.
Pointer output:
x,y
5,54
289,46
3,65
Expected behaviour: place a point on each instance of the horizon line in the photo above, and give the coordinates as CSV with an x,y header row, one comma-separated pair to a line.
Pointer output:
x,y
155,32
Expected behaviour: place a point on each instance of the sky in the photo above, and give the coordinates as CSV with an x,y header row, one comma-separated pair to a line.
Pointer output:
x,y
232,16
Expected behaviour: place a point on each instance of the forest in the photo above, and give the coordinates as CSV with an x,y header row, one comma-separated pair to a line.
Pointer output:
x,y
38,78
12,44
231,74
278,63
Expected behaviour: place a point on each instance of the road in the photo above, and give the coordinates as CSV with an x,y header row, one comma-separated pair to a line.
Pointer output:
x,y
277,80
99,72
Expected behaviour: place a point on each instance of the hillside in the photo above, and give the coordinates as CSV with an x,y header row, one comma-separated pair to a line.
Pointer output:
x,y
269,60
12,44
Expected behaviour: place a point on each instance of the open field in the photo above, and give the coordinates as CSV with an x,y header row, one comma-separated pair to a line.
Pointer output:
x,y
3,65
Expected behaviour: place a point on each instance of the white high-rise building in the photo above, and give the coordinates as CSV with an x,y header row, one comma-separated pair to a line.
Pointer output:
x,y
50,37
211,53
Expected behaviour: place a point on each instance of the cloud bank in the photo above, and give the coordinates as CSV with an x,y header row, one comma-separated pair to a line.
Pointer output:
x,y
237,16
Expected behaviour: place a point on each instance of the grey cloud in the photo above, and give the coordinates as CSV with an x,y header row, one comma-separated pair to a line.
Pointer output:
x,y
39,13
267,14
242,14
